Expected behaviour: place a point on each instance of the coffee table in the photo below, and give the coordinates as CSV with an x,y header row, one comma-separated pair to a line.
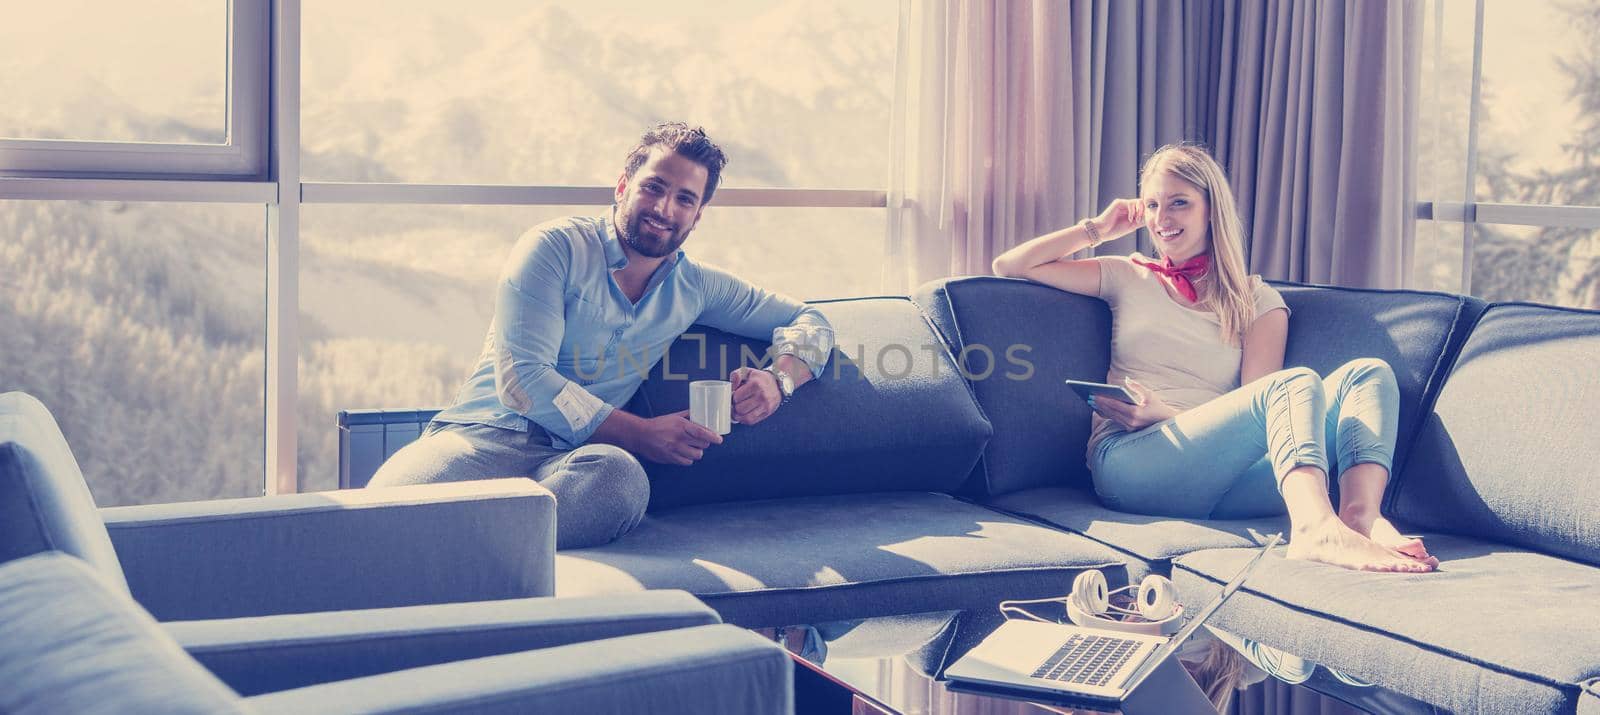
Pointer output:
x,y
895,664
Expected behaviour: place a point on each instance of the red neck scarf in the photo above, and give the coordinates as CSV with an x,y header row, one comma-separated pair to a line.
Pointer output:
x,y
1182,276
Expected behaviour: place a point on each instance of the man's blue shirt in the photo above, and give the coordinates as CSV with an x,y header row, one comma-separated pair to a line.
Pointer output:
x,y
567,347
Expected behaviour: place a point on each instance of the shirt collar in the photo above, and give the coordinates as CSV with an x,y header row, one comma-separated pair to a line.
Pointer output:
x,y
616,258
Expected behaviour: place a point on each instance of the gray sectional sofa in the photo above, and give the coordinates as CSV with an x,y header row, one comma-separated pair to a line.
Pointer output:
x,y
919,475
917,487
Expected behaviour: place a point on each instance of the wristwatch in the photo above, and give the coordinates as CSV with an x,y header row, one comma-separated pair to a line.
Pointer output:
x,y
785,383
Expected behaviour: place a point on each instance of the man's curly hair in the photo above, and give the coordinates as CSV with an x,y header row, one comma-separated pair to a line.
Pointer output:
x,y
689,142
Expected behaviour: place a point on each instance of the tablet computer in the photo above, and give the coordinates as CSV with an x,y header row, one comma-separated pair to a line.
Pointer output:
x,y
1087,390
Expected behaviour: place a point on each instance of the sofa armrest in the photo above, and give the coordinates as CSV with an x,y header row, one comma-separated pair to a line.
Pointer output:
x,y
708,669
272,653
368,548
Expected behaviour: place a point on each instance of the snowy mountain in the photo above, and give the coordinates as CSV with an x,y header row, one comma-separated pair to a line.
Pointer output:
x,y
798,95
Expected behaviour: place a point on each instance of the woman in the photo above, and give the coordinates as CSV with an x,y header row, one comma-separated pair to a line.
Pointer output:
x,y
1188,330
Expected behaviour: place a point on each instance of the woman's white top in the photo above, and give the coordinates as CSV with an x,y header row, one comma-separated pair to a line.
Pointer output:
x,y
1173,349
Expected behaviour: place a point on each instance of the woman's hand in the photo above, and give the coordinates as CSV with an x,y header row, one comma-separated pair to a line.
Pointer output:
x,y
1121,217
1133,418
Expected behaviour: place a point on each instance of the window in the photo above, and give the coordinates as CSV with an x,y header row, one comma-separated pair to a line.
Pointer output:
x,y
396,298
1445,104
807,253
394,302
1437,251
1444,110
1532,146
135,88
140,325
796,91
1545,264
160,103
109,72
1535,144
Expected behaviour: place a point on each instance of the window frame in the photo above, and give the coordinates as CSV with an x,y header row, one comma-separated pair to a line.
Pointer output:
x,y
242,154
1470,212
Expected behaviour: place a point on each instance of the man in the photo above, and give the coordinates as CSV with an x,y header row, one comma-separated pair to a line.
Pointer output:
x,y
574,296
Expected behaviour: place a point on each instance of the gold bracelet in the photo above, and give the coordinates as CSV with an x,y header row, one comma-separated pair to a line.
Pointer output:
x,y
1094,233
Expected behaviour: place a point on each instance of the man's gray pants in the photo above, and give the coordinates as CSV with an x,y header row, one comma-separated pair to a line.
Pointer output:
x,y
601,490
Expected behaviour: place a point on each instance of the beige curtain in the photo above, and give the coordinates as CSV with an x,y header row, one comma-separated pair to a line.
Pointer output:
x,y
1017,117
1315,109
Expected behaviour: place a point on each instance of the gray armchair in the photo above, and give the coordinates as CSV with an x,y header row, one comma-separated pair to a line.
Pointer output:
x,y
309,603
294,553
71,641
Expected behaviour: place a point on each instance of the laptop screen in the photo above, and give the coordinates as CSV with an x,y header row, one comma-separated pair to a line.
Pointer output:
x,y
1161,653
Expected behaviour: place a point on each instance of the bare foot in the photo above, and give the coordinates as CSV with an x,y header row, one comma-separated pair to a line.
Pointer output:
x,y
1331,541
1384,534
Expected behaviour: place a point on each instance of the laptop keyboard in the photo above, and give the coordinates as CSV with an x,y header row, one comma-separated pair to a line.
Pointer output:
x,y
1087,659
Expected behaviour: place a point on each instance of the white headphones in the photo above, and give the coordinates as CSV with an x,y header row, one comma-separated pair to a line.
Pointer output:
x,y
1156,610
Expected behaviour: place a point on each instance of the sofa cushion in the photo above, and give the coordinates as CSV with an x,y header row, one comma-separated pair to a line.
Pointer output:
x,y
271,653
1018,341
1041,427
1510,449
330,551
70,642
44,503
1494,630
1152,540
815,559
894,416
1417,333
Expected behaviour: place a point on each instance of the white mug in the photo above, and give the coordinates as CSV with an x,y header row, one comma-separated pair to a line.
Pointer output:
x,y
711,405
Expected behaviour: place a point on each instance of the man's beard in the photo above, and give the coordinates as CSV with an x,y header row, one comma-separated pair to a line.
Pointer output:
x,y
649,247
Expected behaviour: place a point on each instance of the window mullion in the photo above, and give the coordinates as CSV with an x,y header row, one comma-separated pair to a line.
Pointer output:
x,y
1469,191
283,256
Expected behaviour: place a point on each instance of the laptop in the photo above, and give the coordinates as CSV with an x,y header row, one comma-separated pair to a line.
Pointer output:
x,y
1088,664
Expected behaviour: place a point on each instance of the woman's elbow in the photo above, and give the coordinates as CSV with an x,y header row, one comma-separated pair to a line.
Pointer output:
x,y
1006,269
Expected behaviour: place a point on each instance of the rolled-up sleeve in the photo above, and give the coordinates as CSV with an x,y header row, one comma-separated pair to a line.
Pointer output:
x,y
530,320
739,307
808,337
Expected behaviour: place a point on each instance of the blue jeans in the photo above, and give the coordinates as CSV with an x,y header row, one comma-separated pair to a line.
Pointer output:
x,y
1225,459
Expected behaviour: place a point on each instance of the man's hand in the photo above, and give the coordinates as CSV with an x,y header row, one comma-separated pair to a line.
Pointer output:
x,y
755,395
673,439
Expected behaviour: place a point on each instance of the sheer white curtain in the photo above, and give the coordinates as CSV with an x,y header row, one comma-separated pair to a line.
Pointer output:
x,y
983,103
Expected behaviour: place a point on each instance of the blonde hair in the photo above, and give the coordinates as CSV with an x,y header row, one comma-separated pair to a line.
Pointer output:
x,y
1227,289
